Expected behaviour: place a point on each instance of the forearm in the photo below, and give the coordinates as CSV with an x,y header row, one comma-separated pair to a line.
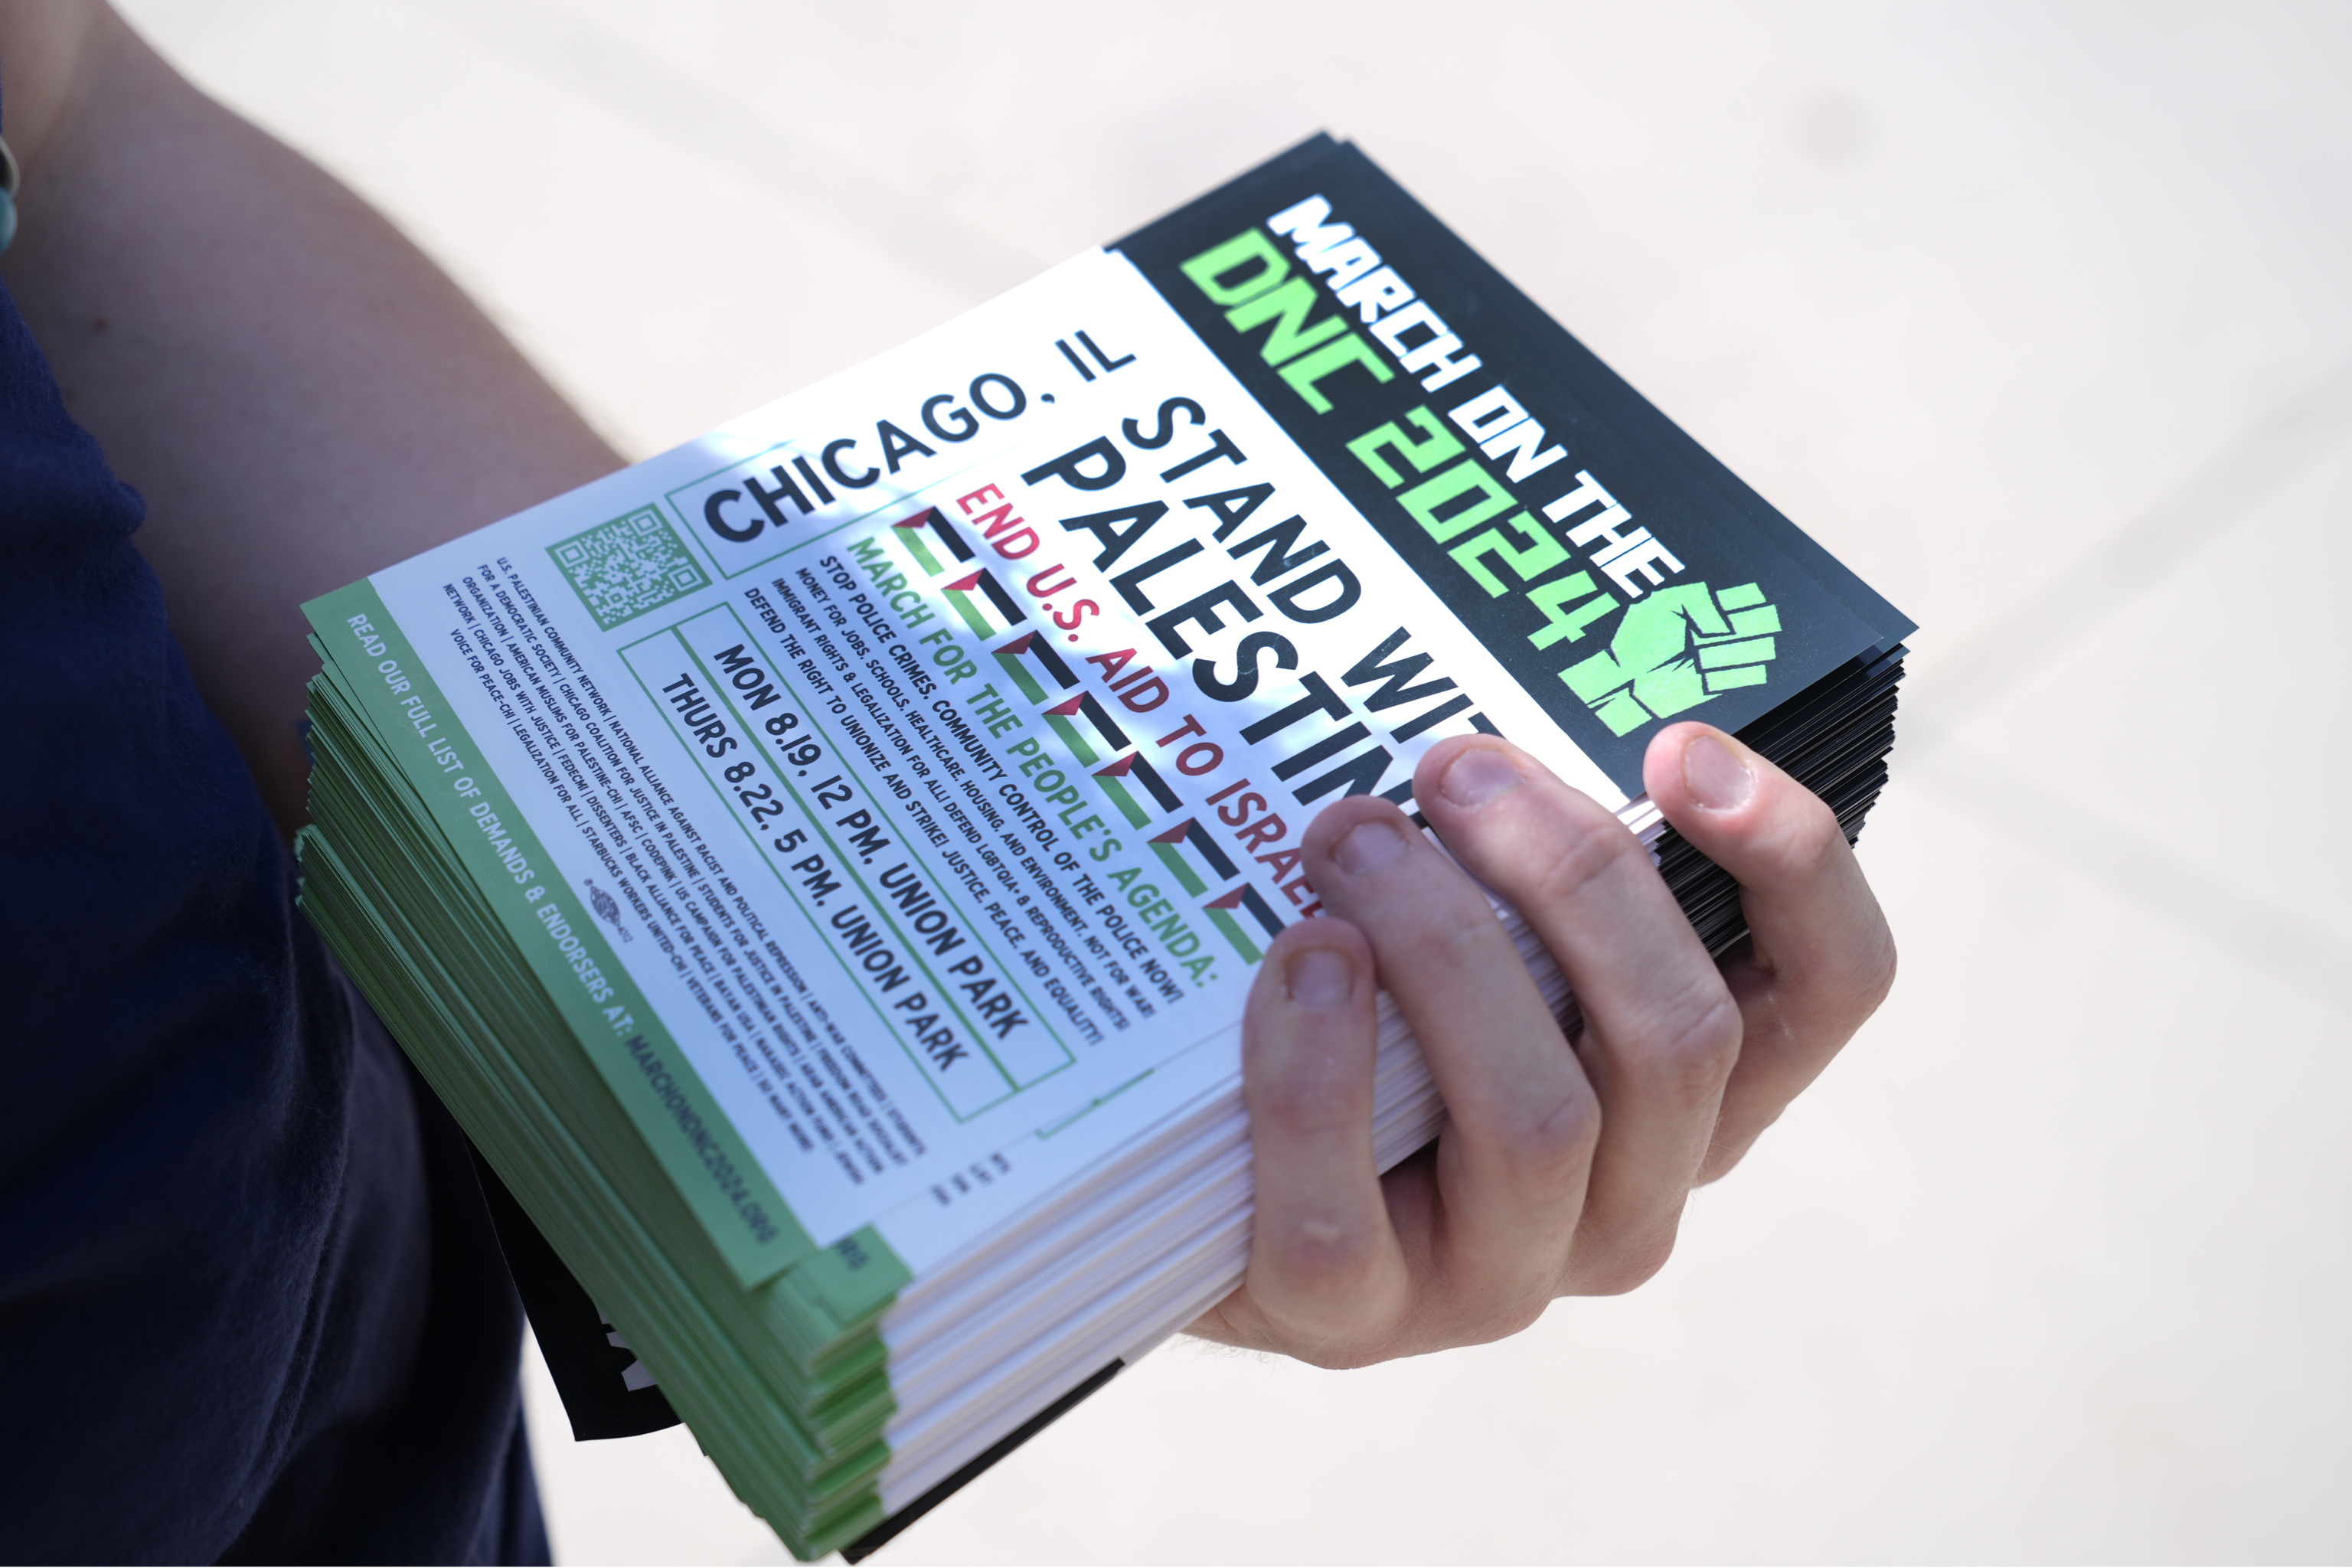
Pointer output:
x,y
299,394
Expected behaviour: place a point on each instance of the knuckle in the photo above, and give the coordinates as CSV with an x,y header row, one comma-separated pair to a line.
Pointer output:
x,y
1325,1290
1332,1264
1309,1102
1850,986
1503,1319
1555,1144
1625,1266
1689,1052
1729,1147
1455,939
1447,936
1810,843
1578,858
1629,1272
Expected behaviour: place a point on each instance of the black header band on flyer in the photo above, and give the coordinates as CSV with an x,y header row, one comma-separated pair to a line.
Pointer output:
x,y
1623,576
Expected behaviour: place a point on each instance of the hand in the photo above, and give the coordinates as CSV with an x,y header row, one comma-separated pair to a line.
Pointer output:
x,y
1564,1166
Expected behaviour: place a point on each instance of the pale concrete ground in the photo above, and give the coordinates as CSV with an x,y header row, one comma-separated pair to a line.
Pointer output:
x,y
2038,316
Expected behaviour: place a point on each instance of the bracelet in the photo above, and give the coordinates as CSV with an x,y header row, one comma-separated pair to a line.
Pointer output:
x,y
9,181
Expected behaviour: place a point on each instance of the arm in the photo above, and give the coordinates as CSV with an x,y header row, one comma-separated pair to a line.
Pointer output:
x,y
300,395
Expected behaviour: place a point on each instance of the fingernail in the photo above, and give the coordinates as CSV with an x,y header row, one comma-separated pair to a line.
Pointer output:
x,y
1715,776
1479,774
1320,978
1368,846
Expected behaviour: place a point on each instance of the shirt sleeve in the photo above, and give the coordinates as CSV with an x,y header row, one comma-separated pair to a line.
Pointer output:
x,y
250,1303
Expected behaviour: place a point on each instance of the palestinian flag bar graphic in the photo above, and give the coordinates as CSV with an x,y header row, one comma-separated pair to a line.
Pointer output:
x,y
1238,913
1087,728
1135,787
926,535
1034,666
1193,856
982,602
821,867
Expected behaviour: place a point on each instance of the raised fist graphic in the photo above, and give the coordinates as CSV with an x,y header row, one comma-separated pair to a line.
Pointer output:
x,y
1674,649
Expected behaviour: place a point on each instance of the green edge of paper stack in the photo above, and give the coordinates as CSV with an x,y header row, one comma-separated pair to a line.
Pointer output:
x,y
764,1342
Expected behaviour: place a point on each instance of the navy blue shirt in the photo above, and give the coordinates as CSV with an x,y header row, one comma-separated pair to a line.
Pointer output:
x,y
251,1306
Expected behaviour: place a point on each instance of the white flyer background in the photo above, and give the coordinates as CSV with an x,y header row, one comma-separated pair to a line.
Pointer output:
x,y
826,1075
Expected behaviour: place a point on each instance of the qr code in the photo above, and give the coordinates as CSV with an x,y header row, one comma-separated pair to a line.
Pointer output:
x,y
627,566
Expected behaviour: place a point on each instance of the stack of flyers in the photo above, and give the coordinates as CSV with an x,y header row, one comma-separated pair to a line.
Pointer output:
x,y
822,866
